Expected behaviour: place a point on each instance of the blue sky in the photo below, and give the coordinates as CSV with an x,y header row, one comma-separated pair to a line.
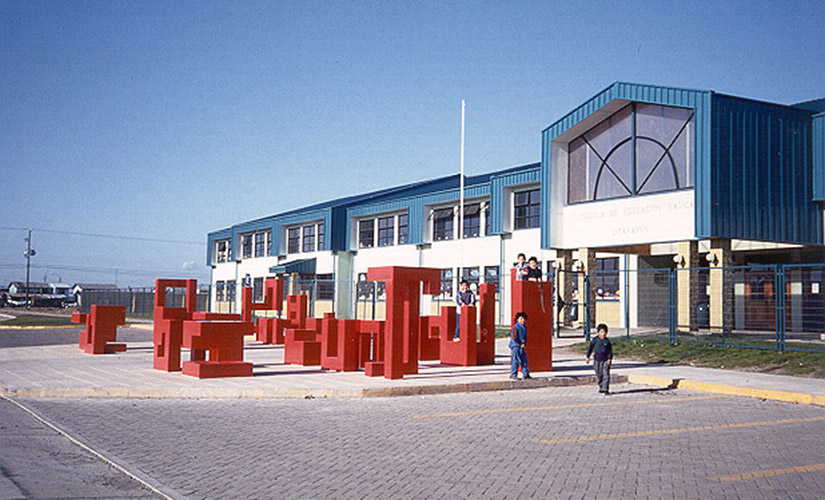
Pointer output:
x,y
162,121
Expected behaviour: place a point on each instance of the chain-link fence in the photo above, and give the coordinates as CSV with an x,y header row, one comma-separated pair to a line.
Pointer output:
x,y
140,302
760,306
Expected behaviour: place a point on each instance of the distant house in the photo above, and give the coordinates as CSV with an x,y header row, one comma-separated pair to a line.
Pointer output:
x,y
40,294
77,289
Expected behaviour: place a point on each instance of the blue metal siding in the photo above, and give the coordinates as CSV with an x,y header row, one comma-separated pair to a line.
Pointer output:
x,y
819,157
698,100
212,238
762,173
497,198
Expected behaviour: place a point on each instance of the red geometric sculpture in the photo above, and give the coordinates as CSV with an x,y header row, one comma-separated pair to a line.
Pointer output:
x,y
535,298
273,298
402,323
101,329
370,345
220,341
471,349
339,344
167,335
302,346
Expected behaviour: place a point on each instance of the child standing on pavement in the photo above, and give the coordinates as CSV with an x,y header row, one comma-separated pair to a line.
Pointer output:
x,y
518,341
602,351
464,297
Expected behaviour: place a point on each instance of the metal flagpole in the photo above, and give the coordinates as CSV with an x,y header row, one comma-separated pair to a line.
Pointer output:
x,y
461,197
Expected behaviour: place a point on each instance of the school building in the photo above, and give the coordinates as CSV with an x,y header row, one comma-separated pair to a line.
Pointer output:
x,y
638,177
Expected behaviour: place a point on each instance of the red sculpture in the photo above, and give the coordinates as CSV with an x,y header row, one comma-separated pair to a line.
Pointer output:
x,y
168,323
535,298
101,329
402,323
220,341
471,349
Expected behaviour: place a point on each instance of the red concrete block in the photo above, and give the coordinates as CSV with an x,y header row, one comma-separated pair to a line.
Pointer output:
x,y
370,344
270,331
339,344
536,300
101,329
403,305
302,347
486,349
296,310
167,334
463,351
429,347
223,343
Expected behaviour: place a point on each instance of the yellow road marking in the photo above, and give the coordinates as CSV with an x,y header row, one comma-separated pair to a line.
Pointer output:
x,y
768,473
679,431
561,407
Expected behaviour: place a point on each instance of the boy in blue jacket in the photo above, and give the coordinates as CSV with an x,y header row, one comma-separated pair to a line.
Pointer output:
x,y
602,351
518,341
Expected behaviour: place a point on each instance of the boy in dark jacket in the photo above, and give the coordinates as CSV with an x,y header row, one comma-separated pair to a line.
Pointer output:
x,y
518,341
464,297
602,351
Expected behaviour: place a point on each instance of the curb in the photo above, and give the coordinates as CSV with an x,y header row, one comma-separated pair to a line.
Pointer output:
x,y
382,392
730,390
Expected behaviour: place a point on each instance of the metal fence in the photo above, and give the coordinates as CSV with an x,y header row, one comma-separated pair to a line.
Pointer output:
x,y
778,306
140,302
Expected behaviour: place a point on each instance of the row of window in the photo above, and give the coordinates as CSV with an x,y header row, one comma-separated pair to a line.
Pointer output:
x,y
309,238
385,227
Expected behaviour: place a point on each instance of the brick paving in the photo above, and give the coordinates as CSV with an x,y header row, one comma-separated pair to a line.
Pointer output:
x,y
382,448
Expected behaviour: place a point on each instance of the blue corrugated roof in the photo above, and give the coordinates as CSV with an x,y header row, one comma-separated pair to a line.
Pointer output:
x,y
816,105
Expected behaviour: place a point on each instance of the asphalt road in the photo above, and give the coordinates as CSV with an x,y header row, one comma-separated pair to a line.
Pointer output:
x,y
566,442
36,462
20,337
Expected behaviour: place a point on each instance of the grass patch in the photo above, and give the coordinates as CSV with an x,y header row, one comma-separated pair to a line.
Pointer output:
x,y
35,320
761,356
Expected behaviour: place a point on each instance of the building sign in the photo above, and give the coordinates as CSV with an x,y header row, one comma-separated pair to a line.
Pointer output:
x,y
639,220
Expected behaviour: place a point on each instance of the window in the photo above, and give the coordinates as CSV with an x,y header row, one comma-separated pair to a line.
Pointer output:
x,y
320,236
363,287
269,242
659,139
309,239
446,283
471,275
472,221
403,228
260,244
223,250
246,245
607,277
366,233
491,275
527,204
230,291
258,290
443,224
220,286
386,231
293,240
326,286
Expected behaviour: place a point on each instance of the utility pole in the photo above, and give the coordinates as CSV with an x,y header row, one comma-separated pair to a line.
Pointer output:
x,y
29,254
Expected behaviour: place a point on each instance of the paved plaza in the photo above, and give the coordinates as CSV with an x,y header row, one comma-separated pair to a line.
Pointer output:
x,y
79,426
567,442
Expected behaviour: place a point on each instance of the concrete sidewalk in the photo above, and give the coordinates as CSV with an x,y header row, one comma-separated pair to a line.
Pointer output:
x,y
63,371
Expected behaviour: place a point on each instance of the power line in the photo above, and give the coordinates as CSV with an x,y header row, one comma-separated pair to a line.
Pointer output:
x,y
111,236
132,272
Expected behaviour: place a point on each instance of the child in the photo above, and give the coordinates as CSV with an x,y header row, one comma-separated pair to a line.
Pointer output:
x,y
533,271
521,267
518,341
464,297
602,351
